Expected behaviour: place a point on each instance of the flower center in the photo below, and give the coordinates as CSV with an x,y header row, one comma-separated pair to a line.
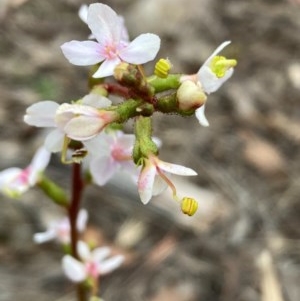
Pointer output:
x,y
119,154
111,51
219,65
92,269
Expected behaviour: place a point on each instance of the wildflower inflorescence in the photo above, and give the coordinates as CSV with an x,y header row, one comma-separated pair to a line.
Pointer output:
x,y
89,131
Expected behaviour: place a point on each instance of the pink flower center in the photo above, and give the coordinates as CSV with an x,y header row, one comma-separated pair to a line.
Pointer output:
x,y
119,154
92,269
23,177
110,51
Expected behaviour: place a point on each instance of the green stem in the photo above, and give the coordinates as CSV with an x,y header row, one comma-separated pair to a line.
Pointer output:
x,y
164,84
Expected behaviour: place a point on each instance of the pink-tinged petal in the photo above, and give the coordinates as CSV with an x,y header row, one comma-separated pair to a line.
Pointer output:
x,y
176,169
96,101
141,50
41,114
74,269
104,23
84,127
219,49
99,254
8,175
84,53
82,220
102,169
111,264
84,251
43,237
107,68
54,141
145,183
201,116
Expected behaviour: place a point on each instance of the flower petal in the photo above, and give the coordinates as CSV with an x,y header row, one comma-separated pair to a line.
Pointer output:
x,y
83,12
54,141
102,169
201,116
84,251
41,114
145,183
84,53
110,264
142,49
84,127
104,23
176,169
107,68
38,164
42,237
82,220
159,186
209,81
74,269
219,49
99,254
96,101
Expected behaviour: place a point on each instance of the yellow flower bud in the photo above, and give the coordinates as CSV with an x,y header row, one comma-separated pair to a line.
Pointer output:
x,y
190,96
162,68
189,206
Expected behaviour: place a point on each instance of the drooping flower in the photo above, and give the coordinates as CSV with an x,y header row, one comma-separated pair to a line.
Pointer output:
x,y
93,264
111,48
60,230
215,71
109,153
15,181
153,178
68,119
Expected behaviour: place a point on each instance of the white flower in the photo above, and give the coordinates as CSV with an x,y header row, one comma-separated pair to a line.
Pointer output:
x,y
153,177
60,230
215,71
110,48
68,119
111,152
15,181
93,264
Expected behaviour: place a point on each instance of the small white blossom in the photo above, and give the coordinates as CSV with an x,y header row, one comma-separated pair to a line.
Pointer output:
x,y
60,230
109,153
111,48
215,71
153,178
15,181
68,119
93,263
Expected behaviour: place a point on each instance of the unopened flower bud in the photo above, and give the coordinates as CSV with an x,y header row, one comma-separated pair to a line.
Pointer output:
x,y
189,206
190,96
121,70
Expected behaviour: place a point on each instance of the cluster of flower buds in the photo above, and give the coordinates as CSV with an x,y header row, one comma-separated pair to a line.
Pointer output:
x,y
91,127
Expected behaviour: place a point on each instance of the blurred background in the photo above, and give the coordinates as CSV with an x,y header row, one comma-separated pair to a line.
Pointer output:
x,y
243,243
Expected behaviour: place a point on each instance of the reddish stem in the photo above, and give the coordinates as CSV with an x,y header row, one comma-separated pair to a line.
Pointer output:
x,y
77,187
